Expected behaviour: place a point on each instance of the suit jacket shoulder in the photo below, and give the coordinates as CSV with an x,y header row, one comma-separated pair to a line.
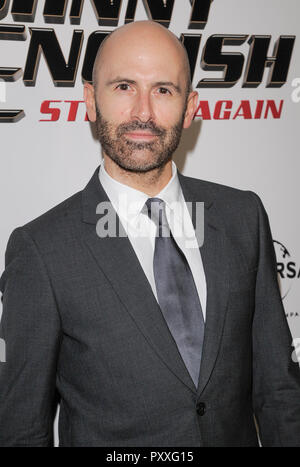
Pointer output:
x,y
240,214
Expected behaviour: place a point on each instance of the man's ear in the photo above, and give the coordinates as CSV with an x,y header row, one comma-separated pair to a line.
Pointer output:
x,y
192,104
89,98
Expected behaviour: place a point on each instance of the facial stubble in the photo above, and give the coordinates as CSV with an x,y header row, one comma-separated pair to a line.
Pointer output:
x,y
130,155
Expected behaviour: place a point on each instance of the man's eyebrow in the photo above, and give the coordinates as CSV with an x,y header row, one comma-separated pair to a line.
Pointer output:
x,y
120,79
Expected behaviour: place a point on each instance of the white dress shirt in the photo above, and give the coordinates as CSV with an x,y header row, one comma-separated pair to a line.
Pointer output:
x,y
129,204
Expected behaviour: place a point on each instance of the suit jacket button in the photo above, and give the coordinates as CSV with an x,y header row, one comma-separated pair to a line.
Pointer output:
x,y
201,408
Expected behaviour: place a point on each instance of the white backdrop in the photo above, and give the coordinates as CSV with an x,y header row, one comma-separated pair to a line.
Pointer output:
x,y
43,163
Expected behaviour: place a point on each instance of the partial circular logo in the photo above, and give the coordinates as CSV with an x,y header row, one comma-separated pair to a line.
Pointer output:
x,y
287,268
296,352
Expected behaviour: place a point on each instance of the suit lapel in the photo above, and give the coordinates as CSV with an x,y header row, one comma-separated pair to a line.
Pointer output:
x,y
214,253
115,256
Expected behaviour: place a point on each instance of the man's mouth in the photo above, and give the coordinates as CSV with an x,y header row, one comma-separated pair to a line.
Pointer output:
x,y
141,135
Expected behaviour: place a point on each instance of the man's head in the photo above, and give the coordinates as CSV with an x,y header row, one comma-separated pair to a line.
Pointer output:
x,y
141,98
152,26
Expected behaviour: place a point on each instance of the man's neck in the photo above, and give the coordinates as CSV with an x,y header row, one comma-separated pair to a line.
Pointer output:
x,y
151,182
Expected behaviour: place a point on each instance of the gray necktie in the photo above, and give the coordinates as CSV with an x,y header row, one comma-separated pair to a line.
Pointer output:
x,y
176,291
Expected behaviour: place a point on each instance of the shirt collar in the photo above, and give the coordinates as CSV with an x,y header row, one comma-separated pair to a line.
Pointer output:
x,y
129,202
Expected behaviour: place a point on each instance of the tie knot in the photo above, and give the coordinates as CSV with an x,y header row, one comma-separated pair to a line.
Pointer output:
x,y
157,213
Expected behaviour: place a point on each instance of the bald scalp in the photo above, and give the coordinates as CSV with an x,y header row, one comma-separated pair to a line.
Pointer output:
x,y
142,25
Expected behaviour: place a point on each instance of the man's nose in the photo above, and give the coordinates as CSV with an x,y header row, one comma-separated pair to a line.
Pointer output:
x,y
142,108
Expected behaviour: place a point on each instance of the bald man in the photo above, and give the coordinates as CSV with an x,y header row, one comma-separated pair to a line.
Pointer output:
x,y
150,334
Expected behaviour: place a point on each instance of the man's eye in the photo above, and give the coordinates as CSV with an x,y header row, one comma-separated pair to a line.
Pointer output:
x,y
123,86
164,91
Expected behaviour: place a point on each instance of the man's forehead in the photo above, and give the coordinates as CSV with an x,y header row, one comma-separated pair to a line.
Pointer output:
x,y
140,51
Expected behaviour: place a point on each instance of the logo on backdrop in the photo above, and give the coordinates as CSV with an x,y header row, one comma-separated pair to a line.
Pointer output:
x,y
288,272
296,352
207,53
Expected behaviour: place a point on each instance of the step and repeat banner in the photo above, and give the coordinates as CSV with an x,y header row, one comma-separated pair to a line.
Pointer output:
x,y
245,62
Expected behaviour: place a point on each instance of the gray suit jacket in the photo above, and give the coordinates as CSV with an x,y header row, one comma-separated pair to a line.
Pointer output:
x,y
80,318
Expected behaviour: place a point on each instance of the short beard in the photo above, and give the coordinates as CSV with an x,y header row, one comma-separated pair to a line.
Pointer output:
x,y
121,150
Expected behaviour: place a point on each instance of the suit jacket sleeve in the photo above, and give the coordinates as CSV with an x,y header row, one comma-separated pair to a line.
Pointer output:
x,y
30,326
276,378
